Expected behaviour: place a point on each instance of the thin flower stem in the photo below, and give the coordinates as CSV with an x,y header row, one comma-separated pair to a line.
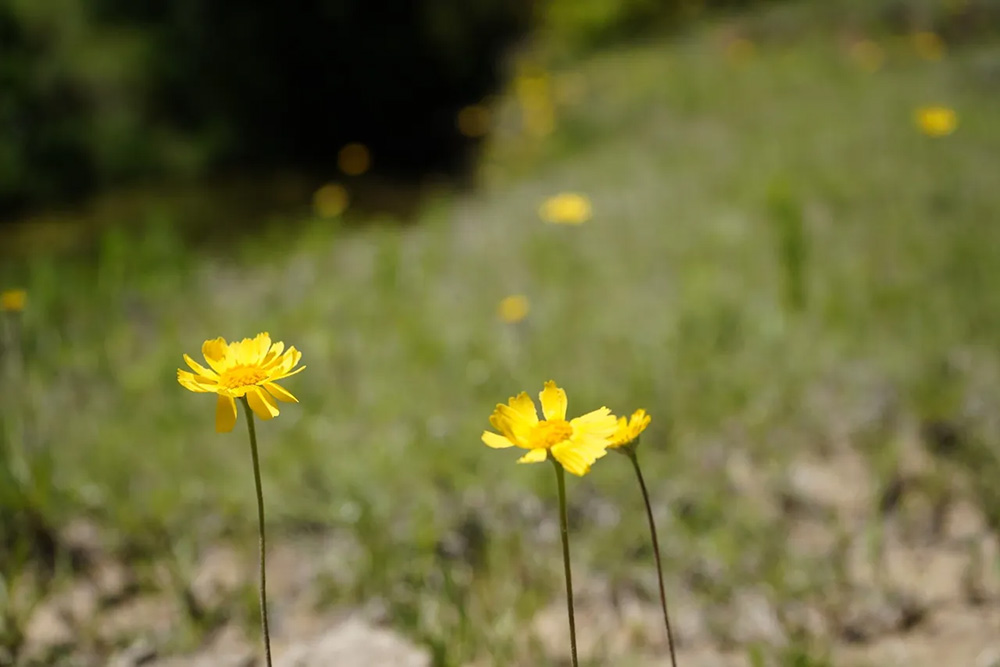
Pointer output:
x,y
656,550
564,524
260,523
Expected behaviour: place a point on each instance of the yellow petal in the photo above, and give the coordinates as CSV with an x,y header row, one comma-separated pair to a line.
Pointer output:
x,y
262,343
261,403
272,355
524,406
600,423
553,401
215,353
195,383
496,441
199,369
225,414
280,393
513,424
287,375
577,457
534,456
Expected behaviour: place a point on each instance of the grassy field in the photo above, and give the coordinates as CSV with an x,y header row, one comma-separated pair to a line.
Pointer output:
x,y
780,267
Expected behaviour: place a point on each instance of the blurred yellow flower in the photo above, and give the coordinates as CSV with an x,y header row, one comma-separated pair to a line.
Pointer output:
x,y
628,430
868,55
936,121
354,159
567,208
575,444
928,45
330,200
513,308
474,121
249,368
13,300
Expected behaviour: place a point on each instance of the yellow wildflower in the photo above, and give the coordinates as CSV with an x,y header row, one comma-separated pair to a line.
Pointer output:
x,y
575,444
248,368
514,308
629,430
936,121
13,300
567,208
330,200
354,159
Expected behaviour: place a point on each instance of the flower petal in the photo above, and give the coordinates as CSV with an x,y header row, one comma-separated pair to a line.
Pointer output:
x,y
261,403
280,393
195,383
199,369
496,441
524,406
600,423
577,456
553,401
282,376
225,414
215,352
534,456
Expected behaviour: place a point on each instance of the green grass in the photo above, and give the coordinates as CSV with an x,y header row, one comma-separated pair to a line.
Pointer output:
x,y
675,297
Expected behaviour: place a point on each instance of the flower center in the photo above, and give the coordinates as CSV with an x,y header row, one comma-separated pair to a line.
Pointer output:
x,y
237,378
550,432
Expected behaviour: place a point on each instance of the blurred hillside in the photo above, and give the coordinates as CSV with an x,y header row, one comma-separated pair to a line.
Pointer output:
x,y
100,93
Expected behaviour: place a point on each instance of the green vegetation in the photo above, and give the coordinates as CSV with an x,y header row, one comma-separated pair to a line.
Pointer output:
x,y
779,267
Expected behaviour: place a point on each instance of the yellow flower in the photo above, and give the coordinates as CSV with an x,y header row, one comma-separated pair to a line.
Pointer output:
x,y
936,121
576,443
13,300
354,159
514,308
629,430
567,208
330,200
249,368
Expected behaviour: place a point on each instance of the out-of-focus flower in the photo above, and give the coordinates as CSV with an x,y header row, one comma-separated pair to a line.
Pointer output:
x,y
629,429
247,368
936,121
575,444
354,159
567,208
928,45
13,300
513,308
868,55
474,121
330,200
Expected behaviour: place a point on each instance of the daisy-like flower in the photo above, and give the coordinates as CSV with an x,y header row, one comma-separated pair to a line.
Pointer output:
x,y
936,121
249,368
567,208
513,308
575,444
629,429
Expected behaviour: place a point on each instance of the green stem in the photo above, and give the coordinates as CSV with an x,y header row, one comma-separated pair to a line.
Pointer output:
x,y
656,550
564,524
260,524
